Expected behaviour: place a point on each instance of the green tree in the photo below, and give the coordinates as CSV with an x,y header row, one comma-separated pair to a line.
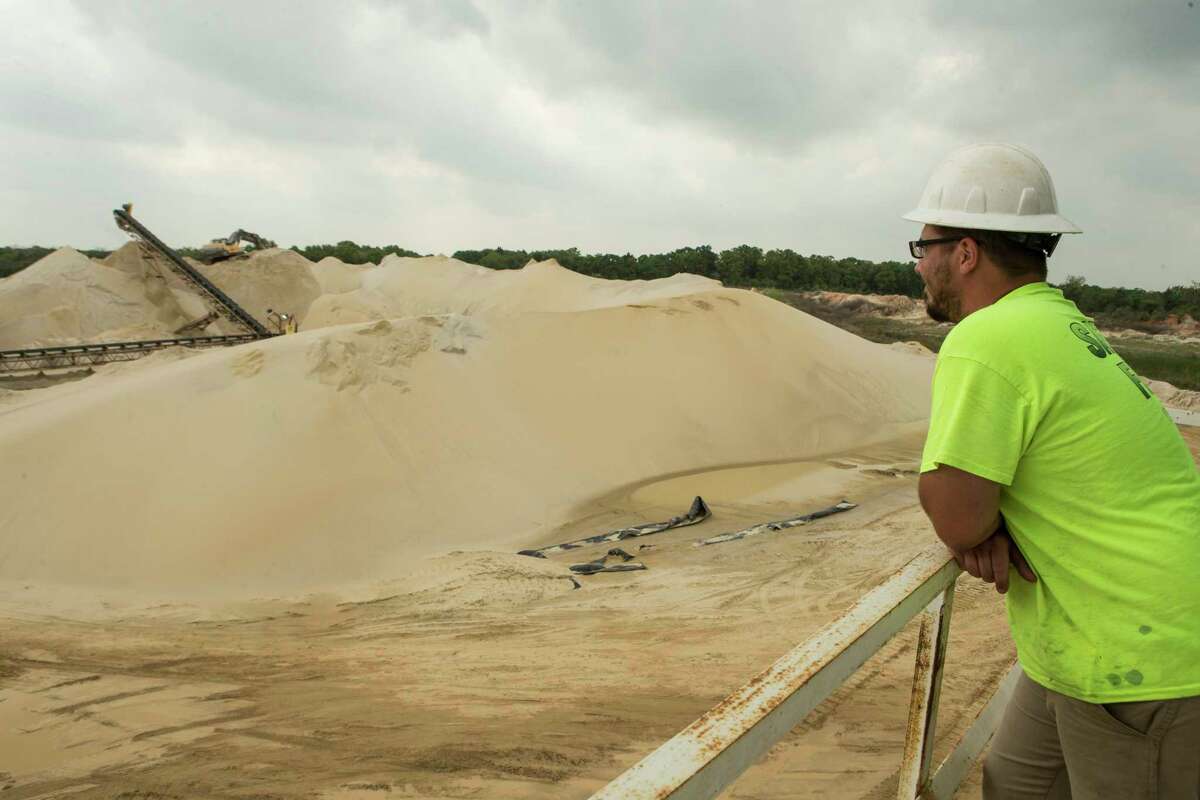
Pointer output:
x,y
739,266
351,252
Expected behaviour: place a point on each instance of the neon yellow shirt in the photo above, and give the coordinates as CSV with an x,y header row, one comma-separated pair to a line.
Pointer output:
x,y
1099,492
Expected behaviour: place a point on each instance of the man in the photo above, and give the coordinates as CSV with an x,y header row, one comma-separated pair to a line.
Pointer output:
x,y
1048,460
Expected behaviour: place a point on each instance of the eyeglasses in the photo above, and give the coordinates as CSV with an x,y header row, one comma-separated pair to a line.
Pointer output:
x,y
920,246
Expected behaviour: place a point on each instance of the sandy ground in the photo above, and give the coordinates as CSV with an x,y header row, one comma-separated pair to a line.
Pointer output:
x,y
488,675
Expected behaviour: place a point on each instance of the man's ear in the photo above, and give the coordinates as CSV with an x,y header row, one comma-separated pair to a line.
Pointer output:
x,y
967,255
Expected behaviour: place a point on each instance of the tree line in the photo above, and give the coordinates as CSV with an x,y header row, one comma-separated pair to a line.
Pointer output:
x,y
748,266
743,266
350,252
1132,304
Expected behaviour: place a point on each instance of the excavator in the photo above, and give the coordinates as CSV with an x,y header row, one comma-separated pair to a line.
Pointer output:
x,y
231,247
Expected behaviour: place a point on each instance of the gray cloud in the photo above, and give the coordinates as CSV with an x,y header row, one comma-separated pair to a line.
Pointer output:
x,y
612,126
766,74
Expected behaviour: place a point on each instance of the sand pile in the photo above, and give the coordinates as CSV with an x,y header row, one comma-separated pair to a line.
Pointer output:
x,y
1174,397
916,348
335,276
341,454
401,287
67,297
147,267
887,305
277,279
1182,337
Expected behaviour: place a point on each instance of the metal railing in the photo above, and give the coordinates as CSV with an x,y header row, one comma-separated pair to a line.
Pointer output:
x,y
1185,417
708,755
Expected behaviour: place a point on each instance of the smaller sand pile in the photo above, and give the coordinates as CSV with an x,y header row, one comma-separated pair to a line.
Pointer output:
x,y
1183,327
887,305
1174,397
148,267
916,348
337,277
67,297
134,295
277,279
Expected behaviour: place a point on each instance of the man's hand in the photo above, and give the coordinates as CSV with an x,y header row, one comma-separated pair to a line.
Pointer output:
x,y
990,560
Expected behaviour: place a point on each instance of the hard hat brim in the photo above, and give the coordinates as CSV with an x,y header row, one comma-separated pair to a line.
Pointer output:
x,y
1013,223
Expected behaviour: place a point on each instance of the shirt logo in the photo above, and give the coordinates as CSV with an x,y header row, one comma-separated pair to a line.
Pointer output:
x,y
1098,347
1095,342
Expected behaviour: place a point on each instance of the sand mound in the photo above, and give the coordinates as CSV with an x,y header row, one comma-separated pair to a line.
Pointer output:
x,y
339,455
916,348
404,287
132,294
148,267
67,297
335,276
278,279
887,305
1174,397
132,259
1165,338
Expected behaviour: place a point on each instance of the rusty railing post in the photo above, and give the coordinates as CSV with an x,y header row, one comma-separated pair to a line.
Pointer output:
x,y
927,689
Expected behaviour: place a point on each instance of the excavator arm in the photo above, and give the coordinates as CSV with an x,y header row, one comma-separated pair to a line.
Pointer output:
x,y
231,246
246,236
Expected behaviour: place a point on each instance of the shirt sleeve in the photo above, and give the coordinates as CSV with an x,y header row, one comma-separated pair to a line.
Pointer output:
x,y
979,422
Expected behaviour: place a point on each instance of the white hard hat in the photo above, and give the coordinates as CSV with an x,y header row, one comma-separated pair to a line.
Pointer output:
x,y
992,187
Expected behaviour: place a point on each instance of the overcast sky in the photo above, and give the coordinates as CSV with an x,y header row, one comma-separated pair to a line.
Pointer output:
x,y
612,126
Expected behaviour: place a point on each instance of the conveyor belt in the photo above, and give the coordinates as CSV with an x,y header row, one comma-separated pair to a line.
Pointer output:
x,y
75,355
217,300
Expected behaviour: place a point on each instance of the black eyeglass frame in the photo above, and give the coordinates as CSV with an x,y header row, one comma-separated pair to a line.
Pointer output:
x,y
921,244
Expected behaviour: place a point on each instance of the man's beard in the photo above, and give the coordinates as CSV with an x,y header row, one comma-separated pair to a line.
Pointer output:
x,y
942,306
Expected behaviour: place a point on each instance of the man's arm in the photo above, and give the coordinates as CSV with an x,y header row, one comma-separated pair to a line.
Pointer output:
x,y
964,508
965,511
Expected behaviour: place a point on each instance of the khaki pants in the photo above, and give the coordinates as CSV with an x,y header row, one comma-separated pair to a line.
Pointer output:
x,y
1053,746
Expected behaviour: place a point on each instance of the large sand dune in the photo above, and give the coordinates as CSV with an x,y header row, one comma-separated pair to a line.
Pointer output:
x,y
339,455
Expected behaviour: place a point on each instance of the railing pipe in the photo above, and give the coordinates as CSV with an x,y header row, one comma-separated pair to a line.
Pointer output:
x,y
708,755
